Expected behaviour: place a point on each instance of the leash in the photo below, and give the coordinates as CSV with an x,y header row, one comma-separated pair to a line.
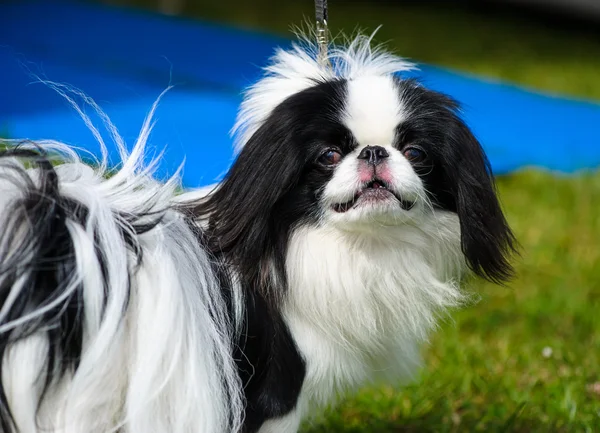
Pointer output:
x,y
322,32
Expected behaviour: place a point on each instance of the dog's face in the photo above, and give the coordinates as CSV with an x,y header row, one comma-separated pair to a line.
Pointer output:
x,y
373,165
363,155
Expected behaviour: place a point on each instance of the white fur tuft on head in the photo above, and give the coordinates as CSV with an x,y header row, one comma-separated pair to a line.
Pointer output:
x,y
298,68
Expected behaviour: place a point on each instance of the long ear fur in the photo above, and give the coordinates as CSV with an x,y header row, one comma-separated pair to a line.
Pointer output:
x,y
241,208
486,238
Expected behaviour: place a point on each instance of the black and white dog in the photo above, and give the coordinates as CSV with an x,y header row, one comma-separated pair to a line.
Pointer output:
x,y
357,203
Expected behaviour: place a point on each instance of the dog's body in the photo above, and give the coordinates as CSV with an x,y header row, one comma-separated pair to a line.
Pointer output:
x,y
357,203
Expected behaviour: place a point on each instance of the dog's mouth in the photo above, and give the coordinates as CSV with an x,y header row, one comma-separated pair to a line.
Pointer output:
x,y
374,191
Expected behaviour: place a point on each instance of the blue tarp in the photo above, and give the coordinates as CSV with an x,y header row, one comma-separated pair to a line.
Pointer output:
x,y
124,59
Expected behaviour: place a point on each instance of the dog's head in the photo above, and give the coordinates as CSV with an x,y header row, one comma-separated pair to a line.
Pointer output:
x,y
355,147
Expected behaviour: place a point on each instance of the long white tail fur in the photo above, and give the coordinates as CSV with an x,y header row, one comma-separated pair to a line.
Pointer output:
x,y
104,255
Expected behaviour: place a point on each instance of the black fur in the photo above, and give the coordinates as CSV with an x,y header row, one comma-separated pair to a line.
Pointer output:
x,y
272,187
269,363
458,178
267,359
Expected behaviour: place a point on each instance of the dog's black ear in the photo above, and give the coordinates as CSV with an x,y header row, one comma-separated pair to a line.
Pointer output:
x,y
240,210
251,212
486,238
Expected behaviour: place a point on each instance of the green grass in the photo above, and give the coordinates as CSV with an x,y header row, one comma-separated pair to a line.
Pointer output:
x,y
486,371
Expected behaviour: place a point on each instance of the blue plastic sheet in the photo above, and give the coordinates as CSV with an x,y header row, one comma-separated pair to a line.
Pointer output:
x,y
124,59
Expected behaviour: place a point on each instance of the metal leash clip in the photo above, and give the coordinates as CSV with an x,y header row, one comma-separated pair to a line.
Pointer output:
x,y
322,32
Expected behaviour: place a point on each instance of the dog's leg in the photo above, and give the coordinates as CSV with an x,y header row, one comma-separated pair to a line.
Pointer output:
x,y
289,423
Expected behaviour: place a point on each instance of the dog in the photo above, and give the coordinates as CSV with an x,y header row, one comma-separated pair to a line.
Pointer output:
x,y
358,203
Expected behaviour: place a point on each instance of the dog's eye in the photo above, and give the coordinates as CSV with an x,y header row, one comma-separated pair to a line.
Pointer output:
x,y
414,154
330,157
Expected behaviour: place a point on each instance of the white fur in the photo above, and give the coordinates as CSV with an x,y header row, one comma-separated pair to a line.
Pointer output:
x,y
373,109
297,69
165,364
360,304
19,373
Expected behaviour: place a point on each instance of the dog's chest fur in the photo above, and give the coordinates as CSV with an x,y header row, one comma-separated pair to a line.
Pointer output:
x,y
359,306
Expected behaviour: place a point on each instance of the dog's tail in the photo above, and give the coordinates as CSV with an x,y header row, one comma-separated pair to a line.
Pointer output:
x,y
111,316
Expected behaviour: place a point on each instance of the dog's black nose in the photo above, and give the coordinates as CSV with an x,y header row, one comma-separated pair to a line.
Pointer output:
x,y
373,154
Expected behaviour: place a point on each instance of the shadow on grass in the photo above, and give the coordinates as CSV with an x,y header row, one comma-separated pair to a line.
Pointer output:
x,y
518,422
